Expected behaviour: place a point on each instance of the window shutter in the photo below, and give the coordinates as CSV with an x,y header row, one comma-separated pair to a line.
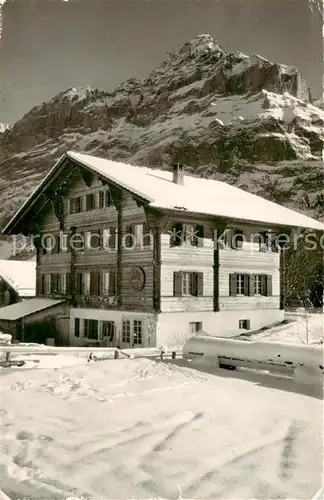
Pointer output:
x,y
200,284
199,239
79,286
263,284
177,234
108,198
246,284
177,284
232,285
40,284
251,284
101,199
112,283
269,285
68,284
77,327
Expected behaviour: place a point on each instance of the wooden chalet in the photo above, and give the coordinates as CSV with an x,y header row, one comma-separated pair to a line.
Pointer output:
x,y
135,254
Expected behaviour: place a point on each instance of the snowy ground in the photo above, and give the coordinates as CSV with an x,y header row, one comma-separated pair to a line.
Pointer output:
x,y
299,329
126,429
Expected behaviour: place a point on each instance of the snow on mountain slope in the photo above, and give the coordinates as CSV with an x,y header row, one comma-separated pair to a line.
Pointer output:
x,y
145,429
229,116
3,127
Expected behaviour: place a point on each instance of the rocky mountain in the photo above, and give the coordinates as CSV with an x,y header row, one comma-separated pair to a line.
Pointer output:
x,y
238,118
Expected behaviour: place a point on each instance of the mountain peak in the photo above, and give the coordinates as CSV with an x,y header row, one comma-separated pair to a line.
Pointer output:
x,y
227,115
201,45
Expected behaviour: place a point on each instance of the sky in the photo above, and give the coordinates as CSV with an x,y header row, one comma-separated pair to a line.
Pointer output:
x,y
48,46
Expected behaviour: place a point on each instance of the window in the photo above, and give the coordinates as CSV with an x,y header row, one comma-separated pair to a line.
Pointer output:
x,y
92,239
62,283
76,205
137,332
240,282
258,284
77,241
64,242
49,243
55,283
101,199
191,234
195,326
176,234
77,327
244,324
91,329
250,284
108,283
95,283
238,239
129,236
47,284
108,198
126,331
108,330
112,237
90,201
83,283
146,235
41,285
188,284
79,283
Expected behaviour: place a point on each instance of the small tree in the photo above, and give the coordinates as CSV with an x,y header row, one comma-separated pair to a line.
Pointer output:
x,y
303,280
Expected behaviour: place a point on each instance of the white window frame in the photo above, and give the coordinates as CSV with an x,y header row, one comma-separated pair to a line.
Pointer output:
x,y
240,284
187,283
126,336
189,235
105,238
64,242
257,284
87,240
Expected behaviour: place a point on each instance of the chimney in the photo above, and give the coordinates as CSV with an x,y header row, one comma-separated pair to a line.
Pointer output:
x,y
178,174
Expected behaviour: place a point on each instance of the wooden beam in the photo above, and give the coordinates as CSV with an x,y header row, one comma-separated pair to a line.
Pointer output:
x,y
220,227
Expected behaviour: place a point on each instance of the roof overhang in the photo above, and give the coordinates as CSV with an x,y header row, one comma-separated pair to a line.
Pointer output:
x,y
54,172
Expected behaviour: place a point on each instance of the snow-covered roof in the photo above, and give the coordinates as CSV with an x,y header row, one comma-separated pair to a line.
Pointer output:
x,y
20,275
198,195
26,307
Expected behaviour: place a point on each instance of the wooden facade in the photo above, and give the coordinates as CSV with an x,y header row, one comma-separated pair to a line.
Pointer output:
x,y
112,255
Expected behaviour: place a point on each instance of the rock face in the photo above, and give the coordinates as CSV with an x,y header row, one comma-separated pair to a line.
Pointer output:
x,y
230,116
